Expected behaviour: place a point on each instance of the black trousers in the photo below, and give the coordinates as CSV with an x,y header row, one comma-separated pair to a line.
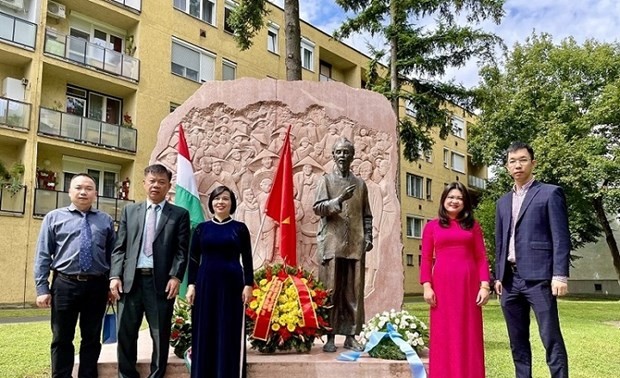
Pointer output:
x,y
518,297
140,301
71,300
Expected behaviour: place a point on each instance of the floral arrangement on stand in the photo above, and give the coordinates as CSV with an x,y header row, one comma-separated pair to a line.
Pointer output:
x,y
181,333
412,330
288,310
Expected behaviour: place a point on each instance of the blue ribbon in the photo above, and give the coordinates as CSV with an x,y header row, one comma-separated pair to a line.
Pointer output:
x,y
415,363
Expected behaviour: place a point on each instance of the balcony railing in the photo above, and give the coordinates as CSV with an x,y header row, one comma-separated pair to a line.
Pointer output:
x,y
18,31
81,129
133,4
477,182
48,200
81,51
13,202
14,113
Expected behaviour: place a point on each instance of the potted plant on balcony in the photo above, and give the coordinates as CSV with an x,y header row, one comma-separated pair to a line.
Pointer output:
x,y
46,179
11,179
127,121
130,48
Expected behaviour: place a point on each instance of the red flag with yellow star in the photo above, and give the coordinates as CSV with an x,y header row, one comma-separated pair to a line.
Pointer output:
x,y
280,204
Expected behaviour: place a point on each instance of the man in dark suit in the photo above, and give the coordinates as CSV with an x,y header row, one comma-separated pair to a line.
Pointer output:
x,y
532,249
148,264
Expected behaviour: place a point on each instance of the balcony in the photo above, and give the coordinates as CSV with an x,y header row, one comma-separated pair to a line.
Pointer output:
x,y
14,203
476,182
131,4
16,30
80,51
81,129
48,200
14,114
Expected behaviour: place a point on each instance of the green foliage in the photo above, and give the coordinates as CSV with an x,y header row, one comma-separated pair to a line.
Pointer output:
x,y
247,19
423,51
11,179
563,99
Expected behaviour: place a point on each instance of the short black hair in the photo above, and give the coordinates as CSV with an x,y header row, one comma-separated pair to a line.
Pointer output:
x,y
84,174
216,192
466,217
515,146
158,169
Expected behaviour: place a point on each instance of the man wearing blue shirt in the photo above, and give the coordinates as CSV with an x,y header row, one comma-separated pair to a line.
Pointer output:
x,y
75,244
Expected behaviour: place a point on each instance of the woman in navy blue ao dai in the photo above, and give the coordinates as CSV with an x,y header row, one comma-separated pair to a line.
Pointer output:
x,y
220,277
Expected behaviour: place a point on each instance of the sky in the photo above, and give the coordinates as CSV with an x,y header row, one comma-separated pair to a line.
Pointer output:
x,y
581,19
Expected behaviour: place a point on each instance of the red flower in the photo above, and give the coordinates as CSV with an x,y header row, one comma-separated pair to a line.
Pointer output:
x,y
282,274
175,334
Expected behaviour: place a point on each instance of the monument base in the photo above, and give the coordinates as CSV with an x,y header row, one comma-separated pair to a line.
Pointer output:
x,y
291,365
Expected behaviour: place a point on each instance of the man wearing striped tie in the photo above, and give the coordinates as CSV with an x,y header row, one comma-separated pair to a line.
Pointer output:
x,y
148,264
75,243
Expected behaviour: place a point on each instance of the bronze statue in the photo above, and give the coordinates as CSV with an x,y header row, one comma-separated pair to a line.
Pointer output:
x,y
344,236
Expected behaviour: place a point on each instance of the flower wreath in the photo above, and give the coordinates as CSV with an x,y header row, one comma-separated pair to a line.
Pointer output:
x,y
181,332
288,309
412,330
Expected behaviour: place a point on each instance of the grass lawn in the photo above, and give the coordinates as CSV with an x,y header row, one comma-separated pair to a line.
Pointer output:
x,y
591,330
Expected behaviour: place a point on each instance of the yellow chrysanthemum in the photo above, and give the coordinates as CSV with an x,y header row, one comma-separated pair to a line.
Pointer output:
x,y
254,304
275,327
256,292
290,327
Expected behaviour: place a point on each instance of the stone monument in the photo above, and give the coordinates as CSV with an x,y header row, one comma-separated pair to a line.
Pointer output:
x,y
235,131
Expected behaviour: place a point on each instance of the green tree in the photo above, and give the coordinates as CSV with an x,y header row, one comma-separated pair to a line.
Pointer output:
x,y
418,51
563,99
248,18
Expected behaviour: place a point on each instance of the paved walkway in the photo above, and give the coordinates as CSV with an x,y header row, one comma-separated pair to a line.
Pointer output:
x,y
29,319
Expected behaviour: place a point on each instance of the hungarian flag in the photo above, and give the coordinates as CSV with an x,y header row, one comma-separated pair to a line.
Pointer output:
x,y
186,191
280,205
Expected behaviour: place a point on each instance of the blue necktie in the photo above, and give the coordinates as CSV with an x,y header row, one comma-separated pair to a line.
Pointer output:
x,y
86,245
149,237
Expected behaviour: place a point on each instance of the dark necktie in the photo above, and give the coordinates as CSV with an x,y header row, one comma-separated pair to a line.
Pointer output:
x,y
149,237
86,245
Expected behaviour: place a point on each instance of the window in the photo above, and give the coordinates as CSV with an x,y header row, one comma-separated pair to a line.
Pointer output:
x,y
458,127
446,158
458,162
229,70
105,174
229,6
414,227
410,108
414,186
429,189
409,259
428,156
192,62
272,37
202,9
307,54
325,71
97,106
598,287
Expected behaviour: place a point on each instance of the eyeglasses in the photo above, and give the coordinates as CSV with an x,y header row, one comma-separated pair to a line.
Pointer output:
x,y
522,161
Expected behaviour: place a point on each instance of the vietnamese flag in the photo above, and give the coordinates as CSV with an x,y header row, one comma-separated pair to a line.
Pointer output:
x,y
280,206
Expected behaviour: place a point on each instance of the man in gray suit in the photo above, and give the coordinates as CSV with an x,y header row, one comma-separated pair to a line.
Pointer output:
x,y
148,264
532,251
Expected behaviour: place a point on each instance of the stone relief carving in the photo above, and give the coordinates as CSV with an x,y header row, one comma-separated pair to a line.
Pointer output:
x,y
240,148
234,131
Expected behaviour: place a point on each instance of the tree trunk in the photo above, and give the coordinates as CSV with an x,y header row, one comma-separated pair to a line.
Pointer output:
x,y
293,40
609,234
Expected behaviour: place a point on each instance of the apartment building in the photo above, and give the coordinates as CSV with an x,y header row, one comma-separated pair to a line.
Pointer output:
x,y
86,83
